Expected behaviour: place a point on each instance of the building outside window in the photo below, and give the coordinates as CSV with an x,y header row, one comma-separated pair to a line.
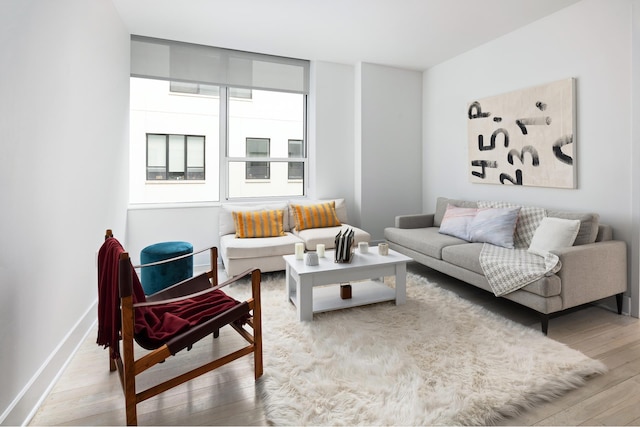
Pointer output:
x,y
296,169
175,157
258,147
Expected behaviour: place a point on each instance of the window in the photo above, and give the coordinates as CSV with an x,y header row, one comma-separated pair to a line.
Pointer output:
x,y
263,127
175,157
240,116
296,169
207,90
258,147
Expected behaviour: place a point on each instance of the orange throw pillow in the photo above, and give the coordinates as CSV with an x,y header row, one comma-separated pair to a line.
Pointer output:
x,y
315,216
258,223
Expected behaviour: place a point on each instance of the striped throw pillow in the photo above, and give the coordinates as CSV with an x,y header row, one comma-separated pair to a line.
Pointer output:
x,y
267,223
315,216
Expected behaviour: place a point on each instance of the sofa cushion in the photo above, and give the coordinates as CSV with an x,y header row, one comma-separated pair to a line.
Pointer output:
x,y
465,256
327,236
320,215
588,225
252,224
427,241
529,219
468,257
341,208
235,248
225,217
441,208
456,221
554,233
494,225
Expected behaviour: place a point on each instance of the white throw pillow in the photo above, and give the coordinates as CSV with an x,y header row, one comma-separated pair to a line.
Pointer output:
x,y
554,233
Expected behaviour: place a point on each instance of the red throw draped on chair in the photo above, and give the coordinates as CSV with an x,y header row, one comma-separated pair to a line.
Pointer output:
x,y
154,324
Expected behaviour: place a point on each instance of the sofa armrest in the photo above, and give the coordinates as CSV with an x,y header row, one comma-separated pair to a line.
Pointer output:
x,y
592,272
414,221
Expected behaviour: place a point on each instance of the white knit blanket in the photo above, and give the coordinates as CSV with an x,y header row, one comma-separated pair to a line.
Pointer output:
x,y
508,270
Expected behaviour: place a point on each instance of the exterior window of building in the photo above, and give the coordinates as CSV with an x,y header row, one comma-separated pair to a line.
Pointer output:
x,y
175,157
258,147
296,169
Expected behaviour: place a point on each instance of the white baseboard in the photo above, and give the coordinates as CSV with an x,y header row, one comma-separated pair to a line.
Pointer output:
x,y
25,405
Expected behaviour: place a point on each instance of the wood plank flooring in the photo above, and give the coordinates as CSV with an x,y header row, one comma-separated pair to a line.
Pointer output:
x,y
88,394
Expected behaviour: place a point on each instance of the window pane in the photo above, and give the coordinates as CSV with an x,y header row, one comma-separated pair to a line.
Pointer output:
x,y
295,148
156,110
257,147
267,125
277,186
176,156
156,150
195,151
296,170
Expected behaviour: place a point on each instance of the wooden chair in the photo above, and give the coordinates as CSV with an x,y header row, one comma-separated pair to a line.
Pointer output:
x,y
126,314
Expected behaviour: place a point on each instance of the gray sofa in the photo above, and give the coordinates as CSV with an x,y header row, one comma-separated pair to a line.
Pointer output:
x,y
594,268
266,253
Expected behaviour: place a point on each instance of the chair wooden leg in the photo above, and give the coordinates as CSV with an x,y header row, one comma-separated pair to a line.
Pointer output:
x,y
129,383
257,325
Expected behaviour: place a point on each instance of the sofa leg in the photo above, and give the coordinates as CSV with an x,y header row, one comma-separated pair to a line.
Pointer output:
x,y
619,302
544,323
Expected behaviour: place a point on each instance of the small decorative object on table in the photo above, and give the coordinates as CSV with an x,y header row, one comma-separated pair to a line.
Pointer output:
x,y
311,258
383,249
345,291
344,241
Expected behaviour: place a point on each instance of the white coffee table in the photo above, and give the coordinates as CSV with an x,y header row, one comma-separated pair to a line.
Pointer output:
x,y
305,283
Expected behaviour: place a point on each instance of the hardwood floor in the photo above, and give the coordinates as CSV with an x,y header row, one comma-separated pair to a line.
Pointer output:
x,y
88,394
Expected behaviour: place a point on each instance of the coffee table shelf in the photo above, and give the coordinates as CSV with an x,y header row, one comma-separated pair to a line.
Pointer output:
x,y
327,298
307,290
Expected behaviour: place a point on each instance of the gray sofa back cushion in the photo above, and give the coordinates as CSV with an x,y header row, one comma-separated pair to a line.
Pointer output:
x,y
588,221
588,225
441,208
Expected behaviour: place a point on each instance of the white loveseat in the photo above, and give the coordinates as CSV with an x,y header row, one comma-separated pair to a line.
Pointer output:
x,y
265,253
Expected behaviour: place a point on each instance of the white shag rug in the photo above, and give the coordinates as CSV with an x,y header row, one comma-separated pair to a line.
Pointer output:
x,y
438,359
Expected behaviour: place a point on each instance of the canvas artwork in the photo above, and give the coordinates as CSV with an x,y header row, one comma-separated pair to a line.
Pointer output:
x,y
526,137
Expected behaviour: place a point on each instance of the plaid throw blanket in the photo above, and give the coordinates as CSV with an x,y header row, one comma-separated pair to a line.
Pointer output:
x,y
508,270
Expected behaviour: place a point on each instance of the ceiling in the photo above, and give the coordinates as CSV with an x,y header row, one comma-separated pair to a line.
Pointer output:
x,y
412,34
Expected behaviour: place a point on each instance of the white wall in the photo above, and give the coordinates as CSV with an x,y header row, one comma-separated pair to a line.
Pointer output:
x,y
388,145
63,156
590,41
635,156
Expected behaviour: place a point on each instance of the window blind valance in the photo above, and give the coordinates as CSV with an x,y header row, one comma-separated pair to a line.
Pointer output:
x,y
179,61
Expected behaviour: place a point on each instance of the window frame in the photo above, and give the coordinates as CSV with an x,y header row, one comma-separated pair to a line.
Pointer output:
x,y
290,163
227,160
167,157
249,164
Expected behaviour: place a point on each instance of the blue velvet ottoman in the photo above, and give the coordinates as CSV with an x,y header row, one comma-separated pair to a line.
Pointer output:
x,y
158,277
